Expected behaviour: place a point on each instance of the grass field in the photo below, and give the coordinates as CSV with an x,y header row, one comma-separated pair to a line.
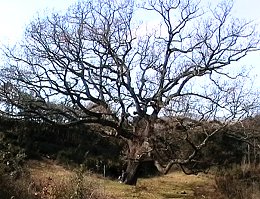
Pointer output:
x,y
173,185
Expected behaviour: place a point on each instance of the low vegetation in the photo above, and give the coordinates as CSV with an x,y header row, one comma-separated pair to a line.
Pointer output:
x,y
45,179
239,182
31,167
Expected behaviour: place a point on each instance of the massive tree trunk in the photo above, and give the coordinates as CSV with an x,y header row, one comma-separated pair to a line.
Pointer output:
x,y
131,173
139,150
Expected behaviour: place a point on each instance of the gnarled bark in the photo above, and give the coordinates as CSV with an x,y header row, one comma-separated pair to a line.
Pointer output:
x,y
131,173
139,150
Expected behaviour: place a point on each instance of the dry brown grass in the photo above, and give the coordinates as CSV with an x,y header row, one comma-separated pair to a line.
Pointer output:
x,y
239,182
52,181
48,180
174,185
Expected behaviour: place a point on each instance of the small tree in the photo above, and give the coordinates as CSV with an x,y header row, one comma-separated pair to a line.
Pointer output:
x,y
99,66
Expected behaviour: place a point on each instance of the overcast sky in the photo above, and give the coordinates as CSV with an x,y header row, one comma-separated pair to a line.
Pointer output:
x,y
15,14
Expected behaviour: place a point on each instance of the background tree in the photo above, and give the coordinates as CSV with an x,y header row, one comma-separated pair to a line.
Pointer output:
x,y
96,65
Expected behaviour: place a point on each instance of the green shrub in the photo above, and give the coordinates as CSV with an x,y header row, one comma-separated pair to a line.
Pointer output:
x,y
12,157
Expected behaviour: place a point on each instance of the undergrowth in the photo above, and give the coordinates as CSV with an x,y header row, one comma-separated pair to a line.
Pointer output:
x,y
239,182
76,186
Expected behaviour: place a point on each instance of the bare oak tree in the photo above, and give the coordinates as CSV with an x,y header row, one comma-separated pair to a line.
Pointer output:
x,y
97,65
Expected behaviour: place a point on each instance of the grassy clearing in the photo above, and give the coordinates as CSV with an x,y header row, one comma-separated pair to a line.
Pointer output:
x,y
174,185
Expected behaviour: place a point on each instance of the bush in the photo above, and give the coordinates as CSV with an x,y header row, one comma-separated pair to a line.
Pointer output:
x,y
12,157
77,186
239,183
14,188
